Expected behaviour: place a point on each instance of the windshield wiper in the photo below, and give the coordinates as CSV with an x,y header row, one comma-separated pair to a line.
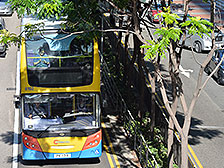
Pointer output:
x,y
39,135
76,114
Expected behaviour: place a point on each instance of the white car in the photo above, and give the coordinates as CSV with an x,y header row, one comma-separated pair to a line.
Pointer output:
x,y
204,43
2,46
5,8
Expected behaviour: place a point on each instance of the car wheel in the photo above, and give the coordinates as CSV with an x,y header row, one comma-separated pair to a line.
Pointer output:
x,y
197,46
207,69
219,80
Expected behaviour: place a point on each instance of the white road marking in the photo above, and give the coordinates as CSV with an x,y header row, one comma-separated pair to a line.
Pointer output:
x,y
15,148
206,127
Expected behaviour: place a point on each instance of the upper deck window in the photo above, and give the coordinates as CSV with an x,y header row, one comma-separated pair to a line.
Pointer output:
x,y
56,59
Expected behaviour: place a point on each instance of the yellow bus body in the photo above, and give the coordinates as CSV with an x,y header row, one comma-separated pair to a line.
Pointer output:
x,y
27,89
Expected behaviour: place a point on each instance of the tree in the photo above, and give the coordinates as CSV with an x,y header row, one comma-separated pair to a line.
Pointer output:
x,y
79,15
170,40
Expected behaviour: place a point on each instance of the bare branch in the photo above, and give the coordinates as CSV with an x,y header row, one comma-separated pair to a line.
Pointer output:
x,y
183,103
112,4
206,81
192,51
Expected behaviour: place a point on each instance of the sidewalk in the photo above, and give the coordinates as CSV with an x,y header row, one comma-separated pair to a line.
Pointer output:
x,y
121,148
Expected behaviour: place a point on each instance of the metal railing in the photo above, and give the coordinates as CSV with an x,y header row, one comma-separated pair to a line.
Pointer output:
x,y
145,155
162,117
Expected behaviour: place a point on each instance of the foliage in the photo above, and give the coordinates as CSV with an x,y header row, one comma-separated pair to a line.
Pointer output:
x,y
79,15
122,3
196,25
75,12
168,17
40,8
172,32
6,36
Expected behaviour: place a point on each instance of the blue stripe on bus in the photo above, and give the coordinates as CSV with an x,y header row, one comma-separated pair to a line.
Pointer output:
x,y
29,154
92,152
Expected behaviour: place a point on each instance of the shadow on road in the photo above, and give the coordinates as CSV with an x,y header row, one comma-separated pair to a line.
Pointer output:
x,y
7,137
197,132
60,162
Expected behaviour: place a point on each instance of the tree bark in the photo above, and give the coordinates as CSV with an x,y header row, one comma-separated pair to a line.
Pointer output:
x,y
212,19
184,150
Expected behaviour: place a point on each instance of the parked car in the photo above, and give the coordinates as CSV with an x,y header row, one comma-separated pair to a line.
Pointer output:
x,y
2,46
153,12
216,58
204,43
5,8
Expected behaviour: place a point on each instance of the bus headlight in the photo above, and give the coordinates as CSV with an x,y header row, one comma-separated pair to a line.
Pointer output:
x,y
93,140
31,142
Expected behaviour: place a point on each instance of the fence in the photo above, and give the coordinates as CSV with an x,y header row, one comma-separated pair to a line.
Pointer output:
x,y
134,77
145,155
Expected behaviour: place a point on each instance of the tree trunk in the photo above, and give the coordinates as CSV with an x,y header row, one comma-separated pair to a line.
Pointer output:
x,y
153,103
141,82
171,134
170,143
212,19
126,58
184,150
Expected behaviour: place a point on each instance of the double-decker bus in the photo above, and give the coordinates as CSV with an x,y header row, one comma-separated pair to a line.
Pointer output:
x,y
59,95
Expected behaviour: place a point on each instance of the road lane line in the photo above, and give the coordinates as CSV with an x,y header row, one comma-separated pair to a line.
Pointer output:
x,y
111,146
108,154
15,148
206,127
195,157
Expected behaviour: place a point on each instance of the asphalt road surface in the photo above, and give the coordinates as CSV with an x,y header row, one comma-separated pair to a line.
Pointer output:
x,y
206,135
7,90
207,125
207,128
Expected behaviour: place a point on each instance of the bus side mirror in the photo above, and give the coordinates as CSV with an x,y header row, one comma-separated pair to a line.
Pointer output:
x,y
17,101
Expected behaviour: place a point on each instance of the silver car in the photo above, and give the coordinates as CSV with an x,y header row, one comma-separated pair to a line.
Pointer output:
x,y
2,46
5,8
204,43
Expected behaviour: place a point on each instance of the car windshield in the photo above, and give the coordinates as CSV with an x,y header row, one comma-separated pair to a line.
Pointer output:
x,y
57,59
60,111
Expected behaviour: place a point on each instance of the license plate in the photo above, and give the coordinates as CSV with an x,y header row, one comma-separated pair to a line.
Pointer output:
x,y
63,155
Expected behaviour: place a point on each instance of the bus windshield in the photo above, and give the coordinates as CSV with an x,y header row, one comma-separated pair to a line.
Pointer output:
x,y
57,59
60,111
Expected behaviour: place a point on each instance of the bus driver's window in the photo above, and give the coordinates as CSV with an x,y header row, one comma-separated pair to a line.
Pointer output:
x,y
84,107
84,104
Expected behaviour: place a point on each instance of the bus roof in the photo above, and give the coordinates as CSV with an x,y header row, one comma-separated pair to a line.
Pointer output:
x,y
52,23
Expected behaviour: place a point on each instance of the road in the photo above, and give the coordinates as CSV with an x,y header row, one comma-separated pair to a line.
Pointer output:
x,y
7,90
206,135
207,128
116,151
